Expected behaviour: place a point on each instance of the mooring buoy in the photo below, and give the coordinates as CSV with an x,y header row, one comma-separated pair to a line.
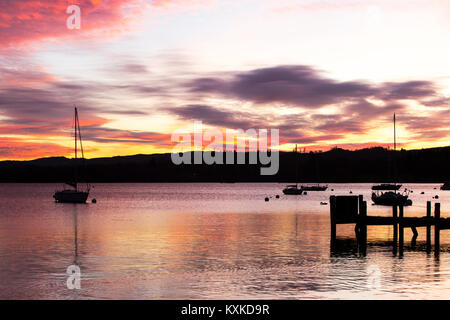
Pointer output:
x,y
94,200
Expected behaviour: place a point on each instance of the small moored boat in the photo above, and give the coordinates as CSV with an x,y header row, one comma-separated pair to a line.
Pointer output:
x,y
71,196
317,187
445,186
293,189
386,186
72,193
391,199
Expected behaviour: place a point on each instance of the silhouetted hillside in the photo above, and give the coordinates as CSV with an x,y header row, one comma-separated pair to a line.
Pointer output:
x,y
337,165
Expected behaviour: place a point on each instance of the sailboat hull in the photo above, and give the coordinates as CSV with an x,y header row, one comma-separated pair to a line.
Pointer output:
x,y
391,199
314,188
71,196
445,186
392,187
292,191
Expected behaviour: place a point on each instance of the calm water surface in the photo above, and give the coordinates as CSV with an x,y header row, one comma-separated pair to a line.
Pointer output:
x,y
207,241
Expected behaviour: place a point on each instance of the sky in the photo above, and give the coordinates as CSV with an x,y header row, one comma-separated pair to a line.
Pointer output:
x,y
325,73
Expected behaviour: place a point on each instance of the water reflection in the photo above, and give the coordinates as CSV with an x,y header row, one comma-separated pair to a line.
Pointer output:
x,y
342,248
144,241
75,232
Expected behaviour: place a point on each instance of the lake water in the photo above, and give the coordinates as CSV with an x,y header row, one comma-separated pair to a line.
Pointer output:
x,y
208,241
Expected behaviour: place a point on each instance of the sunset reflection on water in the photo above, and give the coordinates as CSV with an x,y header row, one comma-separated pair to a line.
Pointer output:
x,y
206,241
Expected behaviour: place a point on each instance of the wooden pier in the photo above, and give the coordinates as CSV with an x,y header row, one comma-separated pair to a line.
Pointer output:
x,y
353,210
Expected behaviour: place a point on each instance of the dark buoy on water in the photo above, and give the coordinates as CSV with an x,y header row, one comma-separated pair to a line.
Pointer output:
x,y
266,199
277,196
422,192
94,200
436,197
332,189
351,191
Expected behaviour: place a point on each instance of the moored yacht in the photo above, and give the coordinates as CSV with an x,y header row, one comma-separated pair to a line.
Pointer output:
x,y
317,187
390,198
445,186
294,189
72,192
386,186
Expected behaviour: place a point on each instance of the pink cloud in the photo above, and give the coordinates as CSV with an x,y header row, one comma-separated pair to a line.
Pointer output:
x,y
22,21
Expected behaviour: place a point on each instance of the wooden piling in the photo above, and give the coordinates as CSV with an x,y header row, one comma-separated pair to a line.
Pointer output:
x,y
437,217
401,229
429,227
333,219
363,226
414,238
394,225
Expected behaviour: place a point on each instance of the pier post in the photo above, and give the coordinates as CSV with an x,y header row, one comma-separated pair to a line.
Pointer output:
x,y
363,226
333,219
428,226
401,229
414,238
437,217
394,225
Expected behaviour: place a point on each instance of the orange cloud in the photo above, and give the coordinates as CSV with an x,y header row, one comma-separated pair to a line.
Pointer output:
x,y
17,149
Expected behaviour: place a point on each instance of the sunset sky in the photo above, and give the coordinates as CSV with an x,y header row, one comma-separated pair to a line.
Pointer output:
x,y
326,73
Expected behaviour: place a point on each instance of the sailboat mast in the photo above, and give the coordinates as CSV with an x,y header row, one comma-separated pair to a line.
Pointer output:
x,y
75,125
296,167
395,136
395,151
79,136
75,136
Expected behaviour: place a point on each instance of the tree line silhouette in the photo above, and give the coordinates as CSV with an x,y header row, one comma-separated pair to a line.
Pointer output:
x,y
336,165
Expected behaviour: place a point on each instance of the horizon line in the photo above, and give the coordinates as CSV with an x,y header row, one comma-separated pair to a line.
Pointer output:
x,y
281,151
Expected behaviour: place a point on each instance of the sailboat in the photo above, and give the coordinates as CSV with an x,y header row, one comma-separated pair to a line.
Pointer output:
x,y
390,198
72,192
445,186
386,186
389,186
314,187
294,189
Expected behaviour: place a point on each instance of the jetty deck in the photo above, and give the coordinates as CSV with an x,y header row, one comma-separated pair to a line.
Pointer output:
x,y
353,210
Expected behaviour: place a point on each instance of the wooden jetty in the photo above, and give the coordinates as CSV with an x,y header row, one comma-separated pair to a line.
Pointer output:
x,y
353,210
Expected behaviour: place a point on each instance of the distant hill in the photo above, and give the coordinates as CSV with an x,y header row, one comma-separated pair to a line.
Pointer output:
x,y
336,165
